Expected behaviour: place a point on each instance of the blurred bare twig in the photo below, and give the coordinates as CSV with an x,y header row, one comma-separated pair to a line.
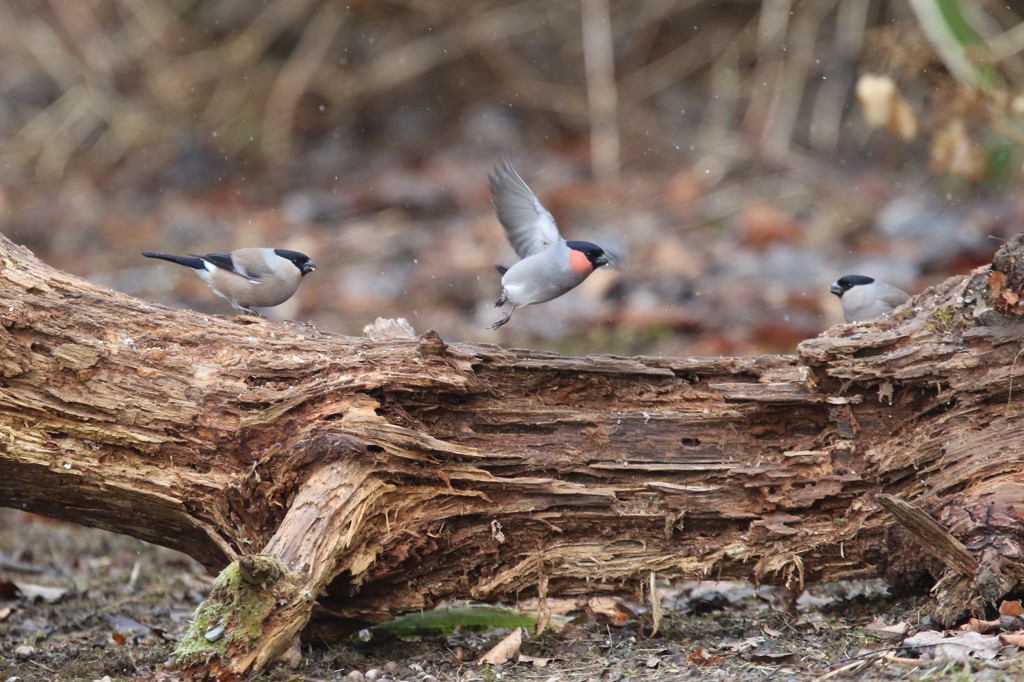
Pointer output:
x,y
296,74
602,95
99,80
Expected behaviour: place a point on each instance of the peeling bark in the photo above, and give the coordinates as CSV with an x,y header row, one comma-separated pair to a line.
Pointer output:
x,y
392,472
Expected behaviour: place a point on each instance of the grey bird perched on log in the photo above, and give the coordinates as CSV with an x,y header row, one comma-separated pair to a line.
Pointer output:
x,y
248,278
549,265
865,298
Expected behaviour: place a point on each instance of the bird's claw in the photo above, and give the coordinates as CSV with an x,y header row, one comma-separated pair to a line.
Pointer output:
x,y
503,320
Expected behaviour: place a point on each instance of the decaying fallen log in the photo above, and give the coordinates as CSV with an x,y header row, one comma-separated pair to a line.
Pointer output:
x,y
348,480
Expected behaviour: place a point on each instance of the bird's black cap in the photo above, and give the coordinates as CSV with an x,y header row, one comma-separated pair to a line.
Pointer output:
x,y
847,282
594,253
301,260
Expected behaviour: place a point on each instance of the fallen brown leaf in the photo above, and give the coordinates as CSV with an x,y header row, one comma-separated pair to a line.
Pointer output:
x,y
1012,639
607,607
505,649
978,625
996,284
1010,608
878,626
884,107
701,657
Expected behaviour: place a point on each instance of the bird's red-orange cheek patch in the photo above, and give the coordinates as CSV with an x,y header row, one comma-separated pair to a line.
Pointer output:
x,y
579,263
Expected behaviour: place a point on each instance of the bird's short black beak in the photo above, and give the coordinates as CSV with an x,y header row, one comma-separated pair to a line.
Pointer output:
x,y
308,268
601,260
836,289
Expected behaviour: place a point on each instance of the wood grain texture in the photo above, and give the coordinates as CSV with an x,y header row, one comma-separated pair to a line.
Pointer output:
x,y
391,472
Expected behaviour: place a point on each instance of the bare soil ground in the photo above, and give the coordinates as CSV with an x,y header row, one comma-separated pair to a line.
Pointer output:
x,y
84,604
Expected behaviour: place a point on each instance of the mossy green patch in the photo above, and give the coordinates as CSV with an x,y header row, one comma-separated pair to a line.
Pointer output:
x,y
947,320
239,602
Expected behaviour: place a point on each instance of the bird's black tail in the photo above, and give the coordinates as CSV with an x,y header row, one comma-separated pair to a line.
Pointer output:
x,y
188,261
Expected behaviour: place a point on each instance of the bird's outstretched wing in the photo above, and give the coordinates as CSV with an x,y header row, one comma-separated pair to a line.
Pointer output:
x,y
529,226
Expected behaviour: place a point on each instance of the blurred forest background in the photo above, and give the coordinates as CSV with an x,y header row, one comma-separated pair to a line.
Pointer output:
x,y
744,154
